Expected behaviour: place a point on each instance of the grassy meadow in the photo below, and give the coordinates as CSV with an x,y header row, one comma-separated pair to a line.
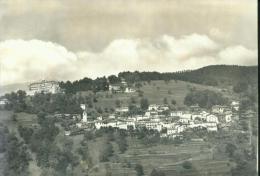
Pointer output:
x,y
155,92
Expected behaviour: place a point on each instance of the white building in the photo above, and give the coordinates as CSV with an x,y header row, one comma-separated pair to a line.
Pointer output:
x,y
155,119
84,117
116,88
67,133
186,116
228,116
167,125
162,108
132,119
235,105
139,117
212,127
153,125
84,114
79,125
179,128
184,120
121,125
83,107
3,101
100,118
154,113
204,114
176,113
171,131
147,113
197,125
212,118
123,82
122,110
43,86
153,107
197,116
129,90
111,116
100,124
130,123
218,109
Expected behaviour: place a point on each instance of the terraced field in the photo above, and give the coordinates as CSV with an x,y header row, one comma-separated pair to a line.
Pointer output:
x,y
168,158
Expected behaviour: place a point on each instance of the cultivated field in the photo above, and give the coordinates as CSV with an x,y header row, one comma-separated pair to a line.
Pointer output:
x,y
168,158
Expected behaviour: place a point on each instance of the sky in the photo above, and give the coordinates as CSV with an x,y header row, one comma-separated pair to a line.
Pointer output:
x,y
68,40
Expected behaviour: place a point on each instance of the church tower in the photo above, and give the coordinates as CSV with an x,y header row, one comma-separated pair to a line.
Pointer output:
x,y
84,114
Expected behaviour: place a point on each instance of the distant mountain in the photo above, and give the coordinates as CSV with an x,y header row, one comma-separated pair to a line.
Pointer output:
x,y
13,87
214,75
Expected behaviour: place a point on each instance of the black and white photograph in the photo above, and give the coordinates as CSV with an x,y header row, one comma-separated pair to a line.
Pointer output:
x,y
128,88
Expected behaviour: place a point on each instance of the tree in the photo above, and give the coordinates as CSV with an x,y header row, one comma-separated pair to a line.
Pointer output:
x,y
230,149
83,150
133,110
140,93
165,101
25,133
187,165
245,104
106,152
173,102
17,157
240,87
17,101
14,117
138,85
156,172
121,141
95,100
144,104
114,79
133,101
139,170
204,98
88,135
118,103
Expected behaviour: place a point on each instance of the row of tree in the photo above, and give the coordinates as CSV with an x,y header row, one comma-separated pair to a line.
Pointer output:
x,y
54,158
40,102
210,75
204,98
85,84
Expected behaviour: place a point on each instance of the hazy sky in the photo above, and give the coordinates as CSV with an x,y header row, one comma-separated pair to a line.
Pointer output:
x,y
64,39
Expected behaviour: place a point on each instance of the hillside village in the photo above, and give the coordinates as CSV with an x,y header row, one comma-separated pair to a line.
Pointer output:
x,y
129,88
171,131
158,117
169,126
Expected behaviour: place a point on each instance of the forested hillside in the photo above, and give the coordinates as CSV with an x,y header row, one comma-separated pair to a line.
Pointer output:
x,y
211,75
220,74
215,75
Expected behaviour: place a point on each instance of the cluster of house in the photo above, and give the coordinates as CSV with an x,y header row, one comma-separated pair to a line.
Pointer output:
x,y
3,102
170,125
121,87
80,119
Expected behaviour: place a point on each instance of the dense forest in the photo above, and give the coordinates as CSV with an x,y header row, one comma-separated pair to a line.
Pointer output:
x,y
211,75
215,75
